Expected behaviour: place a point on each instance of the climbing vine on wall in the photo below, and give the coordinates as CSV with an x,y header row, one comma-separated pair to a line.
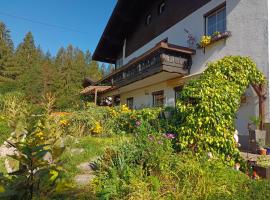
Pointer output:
x,y
208,106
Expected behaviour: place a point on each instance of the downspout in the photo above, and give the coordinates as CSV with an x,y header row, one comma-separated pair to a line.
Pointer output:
x,y
268,67
124,51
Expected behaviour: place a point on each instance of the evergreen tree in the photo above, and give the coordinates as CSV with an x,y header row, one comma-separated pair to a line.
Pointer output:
x,y
28,61
35,74
6,55
5,35
48,75
103,70
88,57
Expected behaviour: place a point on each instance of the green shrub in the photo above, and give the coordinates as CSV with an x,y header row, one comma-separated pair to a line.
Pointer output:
x,y
92,120
207,106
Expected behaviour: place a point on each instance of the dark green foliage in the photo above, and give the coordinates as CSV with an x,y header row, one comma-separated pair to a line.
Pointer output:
x,y
208,106
29,70
71,67
6,54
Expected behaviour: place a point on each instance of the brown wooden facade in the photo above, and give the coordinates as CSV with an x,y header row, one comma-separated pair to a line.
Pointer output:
x,y
163,57
128,21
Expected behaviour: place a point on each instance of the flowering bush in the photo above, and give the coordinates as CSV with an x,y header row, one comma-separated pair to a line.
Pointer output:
x,y
107,120
129,120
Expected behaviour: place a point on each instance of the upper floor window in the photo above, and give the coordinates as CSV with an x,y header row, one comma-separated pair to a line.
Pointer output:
x,y
148,19
216,21
161,8
119,63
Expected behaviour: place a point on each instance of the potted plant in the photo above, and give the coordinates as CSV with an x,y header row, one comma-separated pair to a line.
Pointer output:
x,y
261,144
216,34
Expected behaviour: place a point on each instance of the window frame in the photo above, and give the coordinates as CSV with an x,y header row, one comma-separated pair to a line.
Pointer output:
x,y
212,12
116,100
154,94
130,99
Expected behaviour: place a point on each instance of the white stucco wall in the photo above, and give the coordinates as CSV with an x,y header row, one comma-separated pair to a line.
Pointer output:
x,y
248,22
143,96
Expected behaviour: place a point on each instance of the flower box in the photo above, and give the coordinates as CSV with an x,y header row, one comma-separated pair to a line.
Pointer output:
x,y
215,38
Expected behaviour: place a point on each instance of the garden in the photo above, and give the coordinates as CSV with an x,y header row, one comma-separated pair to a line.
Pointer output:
x,y
117,153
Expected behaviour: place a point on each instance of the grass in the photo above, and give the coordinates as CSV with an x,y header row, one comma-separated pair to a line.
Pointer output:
x,y
93,147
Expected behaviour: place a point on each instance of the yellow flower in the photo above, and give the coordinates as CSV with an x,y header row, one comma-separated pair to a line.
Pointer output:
x,y
40,134
97,128
125,109
63,122
205,40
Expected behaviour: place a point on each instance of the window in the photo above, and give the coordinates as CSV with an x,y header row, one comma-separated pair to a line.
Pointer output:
x,y
130,103
148,19
119,63
158,98
161,8
116,100
216,21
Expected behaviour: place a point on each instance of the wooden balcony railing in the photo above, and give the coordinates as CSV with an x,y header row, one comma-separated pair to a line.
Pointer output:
x,y
163,57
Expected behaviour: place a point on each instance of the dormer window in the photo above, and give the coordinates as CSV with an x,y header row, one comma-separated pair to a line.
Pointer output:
x,y
148,19
161,8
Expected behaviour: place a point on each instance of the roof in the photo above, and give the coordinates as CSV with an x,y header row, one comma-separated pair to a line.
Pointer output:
x,y
92,89
122,23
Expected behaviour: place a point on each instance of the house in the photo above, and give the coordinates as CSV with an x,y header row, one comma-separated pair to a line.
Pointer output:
x,y
153,46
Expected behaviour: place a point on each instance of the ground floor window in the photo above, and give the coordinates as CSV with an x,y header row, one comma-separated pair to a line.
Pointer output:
x,y
130,102
158,98
116,100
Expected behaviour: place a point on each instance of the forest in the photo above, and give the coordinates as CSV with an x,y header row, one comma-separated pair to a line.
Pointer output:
x,y
29,70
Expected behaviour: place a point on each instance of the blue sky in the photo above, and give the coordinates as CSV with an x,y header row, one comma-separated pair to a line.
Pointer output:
x,y
87,18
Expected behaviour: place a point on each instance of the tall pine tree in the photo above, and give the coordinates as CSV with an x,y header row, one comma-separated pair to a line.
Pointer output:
x,y
6,57
28,71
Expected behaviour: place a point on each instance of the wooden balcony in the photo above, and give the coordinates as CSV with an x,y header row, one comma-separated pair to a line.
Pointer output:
x,y
163,57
